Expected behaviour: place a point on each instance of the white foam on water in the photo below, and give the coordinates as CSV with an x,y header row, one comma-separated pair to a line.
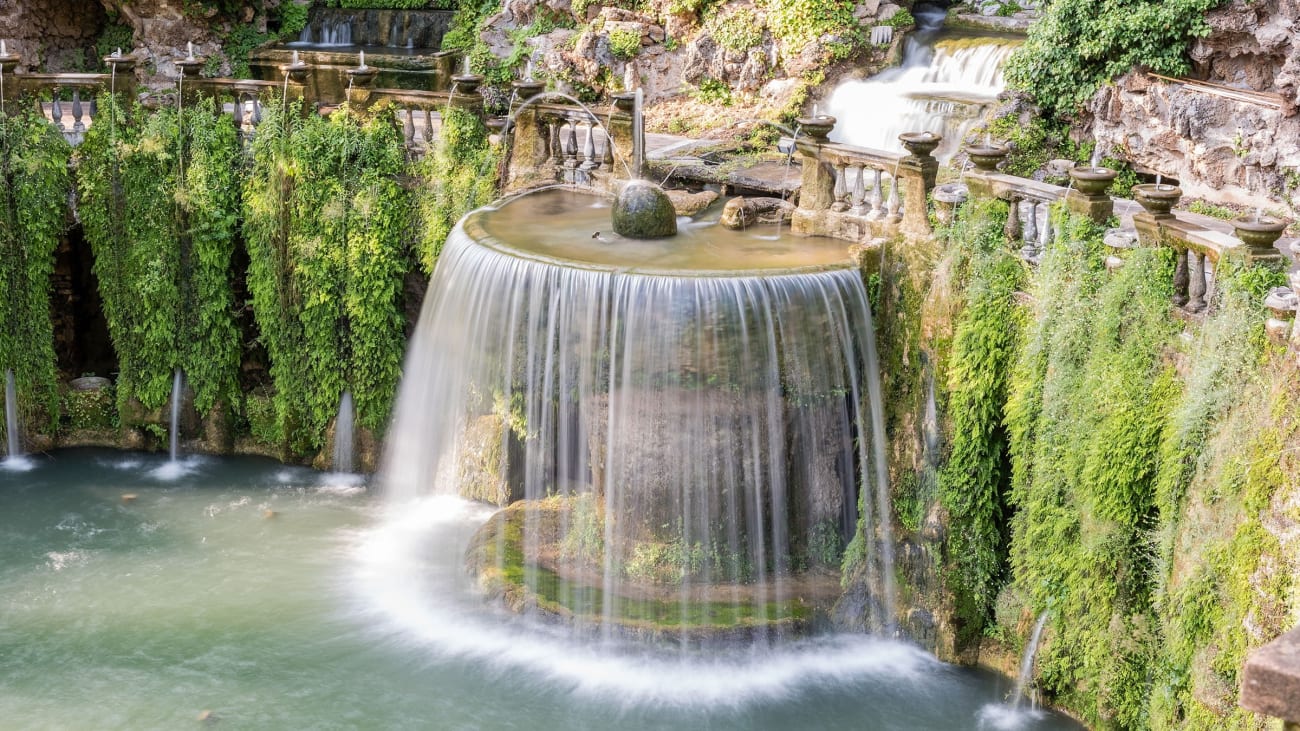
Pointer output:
x,y
1002,717
174,469
410,582
17,464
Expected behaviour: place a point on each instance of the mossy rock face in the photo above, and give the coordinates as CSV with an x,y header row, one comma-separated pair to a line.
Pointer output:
x,y
524,559
644,211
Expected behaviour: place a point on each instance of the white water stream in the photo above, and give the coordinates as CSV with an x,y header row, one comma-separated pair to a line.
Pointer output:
x,y
942,86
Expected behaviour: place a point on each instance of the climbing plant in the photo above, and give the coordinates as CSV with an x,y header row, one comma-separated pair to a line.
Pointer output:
x,y
158,207
33,212
457,177
325,224
973,482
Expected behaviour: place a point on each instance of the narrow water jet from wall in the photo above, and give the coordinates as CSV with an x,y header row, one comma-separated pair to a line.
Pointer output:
x,y
173,429
13,433
1027,662
343,435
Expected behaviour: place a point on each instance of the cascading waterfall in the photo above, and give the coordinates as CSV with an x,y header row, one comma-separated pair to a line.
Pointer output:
x,y
941,86
13,433
343,435
173,428
682,450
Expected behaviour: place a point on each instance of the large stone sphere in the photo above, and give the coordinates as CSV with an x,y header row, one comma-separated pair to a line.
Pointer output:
x,y
643,211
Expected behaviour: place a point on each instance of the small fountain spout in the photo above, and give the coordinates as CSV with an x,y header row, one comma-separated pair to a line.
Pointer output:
x,y
12,432
361,61
189,50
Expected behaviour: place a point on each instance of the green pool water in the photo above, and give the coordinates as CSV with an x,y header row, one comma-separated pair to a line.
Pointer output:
x,y
280,598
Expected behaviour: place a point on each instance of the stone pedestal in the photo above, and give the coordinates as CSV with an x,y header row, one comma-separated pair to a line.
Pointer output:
x,y
1270,682
1097,207
916,177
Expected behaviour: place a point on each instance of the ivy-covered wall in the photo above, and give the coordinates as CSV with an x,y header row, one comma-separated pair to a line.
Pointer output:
x,y
273,274
1124,471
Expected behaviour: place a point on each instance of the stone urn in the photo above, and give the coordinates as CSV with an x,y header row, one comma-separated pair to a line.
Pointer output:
x,y
987,157
526,89
1258,232
296,70
1281,303
1158,199
466,83
947,198
122,64
920,144
816,128
1092,181
362,76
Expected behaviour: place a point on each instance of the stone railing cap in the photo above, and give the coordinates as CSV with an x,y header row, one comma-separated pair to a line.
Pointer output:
x,y
1271,681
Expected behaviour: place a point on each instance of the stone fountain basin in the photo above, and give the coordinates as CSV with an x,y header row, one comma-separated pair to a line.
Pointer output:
x,y
1092,181
987,157
1157,199
1258,232
920,143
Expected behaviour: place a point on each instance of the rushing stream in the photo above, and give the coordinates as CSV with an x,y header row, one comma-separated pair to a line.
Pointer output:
x,y
943,84
328,613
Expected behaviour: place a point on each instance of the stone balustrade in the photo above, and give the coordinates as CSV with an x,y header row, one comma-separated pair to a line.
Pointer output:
x,y
857,194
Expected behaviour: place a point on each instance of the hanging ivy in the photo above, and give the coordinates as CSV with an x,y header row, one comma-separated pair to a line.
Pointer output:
x,y
325,224
33,212
159,213
459,176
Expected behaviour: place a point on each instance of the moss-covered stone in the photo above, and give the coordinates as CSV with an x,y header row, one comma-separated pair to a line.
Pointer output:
x,y
643,211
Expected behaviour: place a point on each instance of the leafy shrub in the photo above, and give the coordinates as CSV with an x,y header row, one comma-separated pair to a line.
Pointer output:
x,y
712,91
901,19
796,23
624,43
736,31
1078,45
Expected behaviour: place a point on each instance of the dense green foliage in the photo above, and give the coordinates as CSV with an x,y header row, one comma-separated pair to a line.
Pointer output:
x,y
33,207
325,223
800,22
1078,45
459,175
159,194
972,485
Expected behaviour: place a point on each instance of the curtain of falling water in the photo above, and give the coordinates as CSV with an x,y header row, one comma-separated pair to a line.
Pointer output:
x,y
723,417
13,434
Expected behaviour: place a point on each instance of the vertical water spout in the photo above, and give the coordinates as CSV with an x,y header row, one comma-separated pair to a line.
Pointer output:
x,y
638,137
1027,662
173,430
343,439
12,431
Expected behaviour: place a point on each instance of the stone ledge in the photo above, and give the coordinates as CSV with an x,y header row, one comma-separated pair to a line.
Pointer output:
x,y
1271,680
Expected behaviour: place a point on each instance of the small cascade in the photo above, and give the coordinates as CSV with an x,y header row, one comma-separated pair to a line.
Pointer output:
x,y
942,86
173,429
1027,662
13,433
343,435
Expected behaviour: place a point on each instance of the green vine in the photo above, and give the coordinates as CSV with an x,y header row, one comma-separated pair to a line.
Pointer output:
x,y
325,223
158,203
33,212
457,177
973,483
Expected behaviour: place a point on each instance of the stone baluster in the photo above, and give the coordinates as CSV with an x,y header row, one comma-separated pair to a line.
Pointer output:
x,y
894,206
877,195
78,123
607,154
589,161
428,127
550,141
858,192
409,128
841,190
1197,286
571,145
1042,231
1029,213
92,108
237,114
257,110
56,111
1012,229
1181,277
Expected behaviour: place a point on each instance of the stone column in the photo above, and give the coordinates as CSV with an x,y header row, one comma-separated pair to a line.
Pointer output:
x,y
916,175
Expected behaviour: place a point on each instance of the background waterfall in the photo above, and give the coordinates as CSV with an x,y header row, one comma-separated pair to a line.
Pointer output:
x,y
680,441
942,86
